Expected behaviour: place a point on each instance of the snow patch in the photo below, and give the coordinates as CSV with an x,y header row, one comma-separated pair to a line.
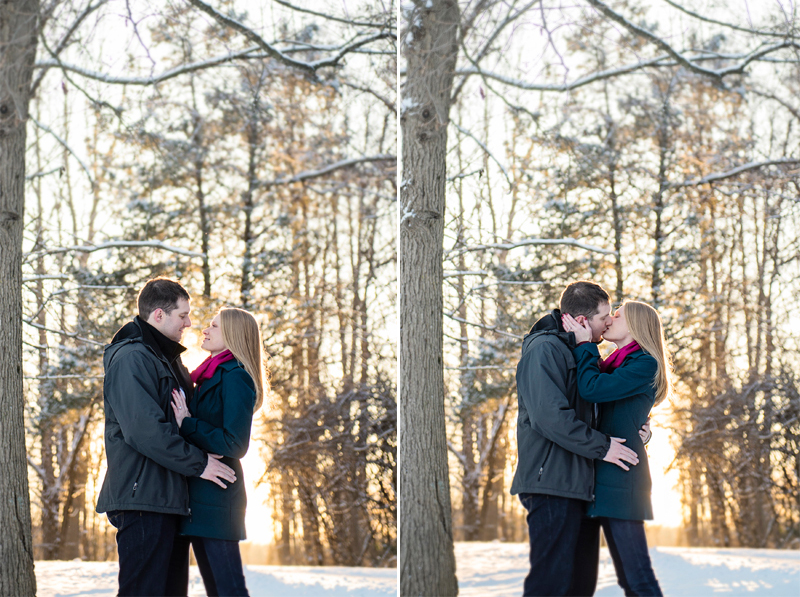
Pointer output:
x,y
99,579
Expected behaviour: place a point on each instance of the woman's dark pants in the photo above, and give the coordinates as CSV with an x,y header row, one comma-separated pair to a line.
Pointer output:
x,y
220,565
627,544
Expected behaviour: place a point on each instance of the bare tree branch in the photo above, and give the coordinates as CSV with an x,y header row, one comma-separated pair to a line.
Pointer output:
x,y
152,80
65,40
717,176
154,244
327,170
66,146
327,16
700,17
485,149
529,242
72,335
385,101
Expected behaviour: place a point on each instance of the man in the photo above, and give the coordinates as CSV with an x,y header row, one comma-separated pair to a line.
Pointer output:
x,y
145,492
557,446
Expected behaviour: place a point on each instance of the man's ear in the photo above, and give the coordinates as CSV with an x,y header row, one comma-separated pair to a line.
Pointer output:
x,y
580,319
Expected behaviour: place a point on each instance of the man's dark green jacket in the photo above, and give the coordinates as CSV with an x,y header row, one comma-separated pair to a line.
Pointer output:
x,y
626,396
222,414
147,459
555,441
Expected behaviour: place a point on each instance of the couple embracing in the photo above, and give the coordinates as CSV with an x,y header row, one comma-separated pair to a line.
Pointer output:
x,y
173,442
581,430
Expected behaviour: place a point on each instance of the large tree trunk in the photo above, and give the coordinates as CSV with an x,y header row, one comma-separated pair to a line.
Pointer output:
x,y
427,561
18,33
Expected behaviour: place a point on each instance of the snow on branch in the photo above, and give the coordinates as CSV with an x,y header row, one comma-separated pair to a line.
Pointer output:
x,y
73,335
152,80
686,62
716,176
116,244
532,241
308,67
483,326
309,174
252,36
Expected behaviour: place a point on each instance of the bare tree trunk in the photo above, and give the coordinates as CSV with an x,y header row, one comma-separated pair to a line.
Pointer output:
x,y
18,34
427,561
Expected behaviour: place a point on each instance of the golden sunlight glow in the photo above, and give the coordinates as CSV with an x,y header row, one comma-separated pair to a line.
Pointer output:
x,y
666,496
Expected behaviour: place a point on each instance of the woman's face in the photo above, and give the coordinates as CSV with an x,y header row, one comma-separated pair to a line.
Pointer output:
x,y
212,338
619,327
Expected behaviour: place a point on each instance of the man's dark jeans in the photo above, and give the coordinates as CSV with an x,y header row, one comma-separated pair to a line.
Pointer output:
x,y
627,544
220,565
564,546
149,563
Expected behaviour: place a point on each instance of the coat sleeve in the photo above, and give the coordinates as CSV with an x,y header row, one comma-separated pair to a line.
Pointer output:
x,y
230,436
131,382
634,377
542,387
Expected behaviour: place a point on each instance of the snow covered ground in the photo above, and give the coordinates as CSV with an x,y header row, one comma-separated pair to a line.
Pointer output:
x,y
484,570
498,569
99,579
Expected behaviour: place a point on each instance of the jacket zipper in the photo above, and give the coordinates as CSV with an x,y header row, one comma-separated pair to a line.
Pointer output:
x,y
136,482
546,456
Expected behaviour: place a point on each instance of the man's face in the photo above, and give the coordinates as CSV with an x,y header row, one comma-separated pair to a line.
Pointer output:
x,y
172,324
599,322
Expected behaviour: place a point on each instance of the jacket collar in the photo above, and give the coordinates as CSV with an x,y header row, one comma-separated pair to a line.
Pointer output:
x,y
217,377
550,324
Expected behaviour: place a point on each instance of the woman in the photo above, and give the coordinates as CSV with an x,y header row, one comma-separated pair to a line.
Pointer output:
x,y
633,379
230,386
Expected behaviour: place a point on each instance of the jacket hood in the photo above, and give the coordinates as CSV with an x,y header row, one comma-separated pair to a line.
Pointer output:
x,y
550,324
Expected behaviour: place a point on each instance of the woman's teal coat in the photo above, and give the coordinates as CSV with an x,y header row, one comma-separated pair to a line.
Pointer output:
x,y
626,396
222,413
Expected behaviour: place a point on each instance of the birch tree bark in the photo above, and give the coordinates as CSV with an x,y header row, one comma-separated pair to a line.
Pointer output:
x,y
18,34
427,561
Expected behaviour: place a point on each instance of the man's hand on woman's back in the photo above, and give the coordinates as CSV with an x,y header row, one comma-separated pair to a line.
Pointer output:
x,y
619,454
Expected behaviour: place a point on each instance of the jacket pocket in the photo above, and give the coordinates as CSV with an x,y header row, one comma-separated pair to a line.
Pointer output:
x,y
546,456
138,477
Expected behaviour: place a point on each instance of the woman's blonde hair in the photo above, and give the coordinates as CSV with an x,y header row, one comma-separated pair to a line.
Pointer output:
x,y
242,337
644,324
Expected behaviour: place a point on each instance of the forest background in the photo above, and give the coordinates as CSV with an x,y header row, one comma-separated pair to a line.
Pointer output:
x,y
651,147
246,149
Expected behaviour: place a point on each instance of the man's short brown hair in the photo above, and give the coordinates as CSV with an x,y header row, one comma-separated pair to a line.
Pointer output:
x,y
160,293
583,298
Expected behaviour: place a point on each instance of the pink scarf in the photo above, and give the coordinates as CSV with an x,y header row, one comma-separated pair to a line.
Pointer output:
x,y
614,360
206,369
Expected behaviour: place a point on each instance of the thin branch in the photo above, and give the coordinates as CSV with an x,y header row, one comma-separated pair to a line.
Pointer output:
x,y
155,244
717,176
700,17
529,242
47,129
73,335
374,93
252,36
483,326
327,170
152,80
64,40
41,174
485,149
327,16
654,39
